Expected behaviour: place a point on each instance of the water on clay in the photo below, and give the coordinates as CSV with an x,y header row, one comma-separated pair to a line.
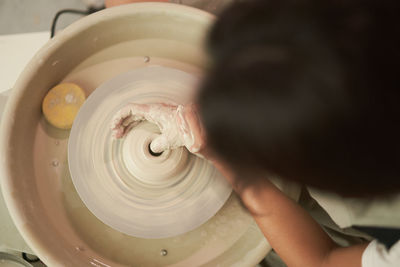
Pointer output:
x,y
105,245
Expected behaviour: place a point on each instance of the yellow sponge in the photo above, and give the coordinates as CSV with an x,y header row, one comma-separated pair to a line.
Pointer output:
x,y
62,103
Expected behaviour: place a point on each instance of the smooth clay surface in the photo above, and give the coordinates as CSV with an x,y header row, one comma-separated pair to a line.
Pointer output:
x,y
121,182
37,185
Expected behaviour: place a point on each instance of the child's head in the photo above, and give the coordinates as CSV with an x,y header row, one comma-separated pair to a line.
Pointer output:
x,y
308,90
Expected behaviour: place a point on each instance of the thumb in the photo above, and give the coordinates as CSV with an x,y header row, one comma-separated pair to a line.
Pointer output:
x,y
159,144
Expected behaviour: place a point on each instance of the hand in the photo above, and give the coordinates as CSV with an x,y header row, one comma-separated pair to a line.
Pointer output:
x,y
179,125
192,129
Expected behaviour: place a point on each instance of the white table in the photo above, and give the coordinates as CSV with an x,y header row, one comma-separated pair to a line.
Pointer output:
x,y
15,52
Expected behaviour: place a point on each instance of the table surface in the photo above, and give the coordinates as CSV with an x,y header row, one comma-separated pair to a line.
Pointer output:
x,y
15,52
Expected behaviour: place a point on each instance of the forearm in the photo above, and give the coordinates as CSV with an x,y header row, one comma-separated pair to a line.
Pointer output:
x,y
292,232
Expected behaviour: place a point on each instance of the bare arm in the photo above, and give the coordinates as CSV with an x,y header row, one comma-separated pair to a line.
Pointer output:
x,y
291,231
294,235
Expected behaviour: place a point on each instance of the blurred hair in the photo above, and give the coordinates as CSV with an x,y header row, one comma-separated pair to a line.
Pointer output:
x,y
307,90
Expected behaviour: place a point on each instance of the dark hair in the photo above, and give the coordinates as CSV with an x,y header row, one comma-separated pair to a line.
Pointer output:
x,y
307,90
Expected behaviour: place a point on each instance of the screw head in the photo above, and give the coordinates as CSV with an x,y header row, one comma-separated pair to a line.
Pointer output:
x,y
164,252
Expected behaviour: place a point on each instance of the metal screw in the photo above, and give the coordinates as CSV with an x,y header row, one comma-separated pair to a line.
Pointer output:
x,y
55,163
146,59
164,252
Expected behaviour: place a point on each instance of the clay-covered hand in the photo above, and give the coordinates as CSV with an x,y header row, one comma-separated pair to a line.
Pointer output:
x,y
179,125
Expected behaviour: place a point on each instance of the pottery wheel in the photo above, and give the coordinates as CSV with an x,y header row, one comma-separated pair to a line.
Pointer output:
x,y
121,182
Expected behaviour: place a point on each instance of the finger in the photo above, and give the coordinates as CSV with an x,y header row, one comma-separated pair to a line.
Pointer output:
x,y
129,127
136,111
190,128
127,121
117,133
121,115
125,128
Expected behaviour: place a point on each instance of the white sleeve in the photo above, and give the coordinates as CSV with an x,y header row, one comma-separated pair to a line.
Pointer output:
x,y
376,254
